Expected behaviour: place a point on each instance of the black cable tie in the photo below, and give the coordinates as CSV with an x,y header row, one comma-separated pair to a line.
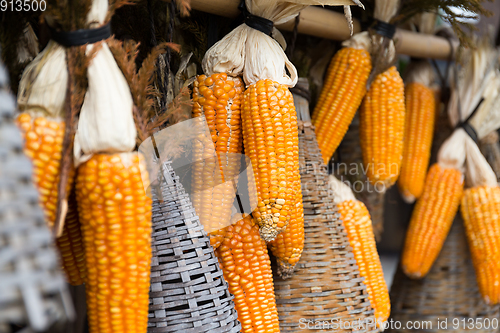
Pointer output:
x,y
256,22
384,29
80,37
468,127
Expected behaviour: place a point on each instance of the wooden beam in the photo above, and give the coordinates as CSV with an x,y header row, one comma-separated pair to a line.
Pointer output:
x,y
323,23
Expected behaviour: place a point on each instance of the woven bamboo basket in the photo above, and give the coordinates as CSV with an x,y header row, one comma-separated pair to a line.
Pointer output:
x,y
326,288
32,288
188,291
350,168
490,147
448,292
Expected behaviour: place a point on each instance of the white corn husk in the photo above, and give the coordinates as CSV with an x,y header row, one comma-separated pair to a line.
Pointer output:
x,y
420,72
341,191
360,40
254,54
478,80
42,89
106,123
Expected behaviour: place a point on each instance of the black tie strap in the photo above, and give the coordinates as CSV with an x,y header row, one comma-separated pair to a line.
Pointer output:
x,y
80,37
384,29
256,22
468,127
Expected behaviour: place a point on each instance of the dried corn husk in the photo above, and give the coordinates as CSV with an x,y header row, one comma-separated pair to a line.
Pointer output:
x,y
477,80
106,123
341,191
254,54
490,147
42,89
421,72
383,50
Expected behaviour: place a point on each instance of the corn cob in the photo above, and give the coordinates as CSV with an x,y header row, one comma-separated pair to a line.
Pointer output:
x,y
70,245
431,219
115,214
269,137
43,145
342,93
218,98
419,130
481,212
382,119
359,229
247,269
288,245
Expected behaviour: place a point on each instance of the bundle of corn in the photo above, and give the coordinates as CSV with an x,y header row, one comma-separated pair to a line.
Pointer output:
x,y
358,225
419,129
32,289
480,209
327,286
188,291
41,98
490,147
448,293
420,119
382,113
113,209
349,169
435,210
342,93
268,116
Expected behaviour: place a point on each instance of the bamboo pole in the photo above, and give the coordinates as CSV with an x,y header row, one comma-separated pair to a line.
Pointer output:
x,y
323,23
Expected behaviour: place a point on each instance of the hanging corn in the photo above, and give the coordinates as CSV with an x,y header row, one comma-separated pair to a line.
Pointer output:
x,y
268,116
436,208
247,269
419,130
114,211
481,213
343,90
382,113
218,98
358,225
42,124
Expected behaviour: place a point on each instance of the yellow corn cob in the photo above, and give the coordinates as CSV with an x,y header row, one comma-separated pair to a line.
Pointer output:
x,y
218,98
381,128
419,130
70,245
115,214
359,229
431,220
288,245
342,93
43,145
481,212
247,270
269,137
